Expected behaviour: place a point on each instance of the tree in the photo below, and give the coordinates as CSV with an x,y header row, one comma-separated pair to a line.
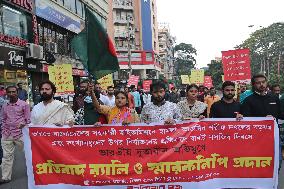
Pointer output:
x,y
266,48
185,58
215,70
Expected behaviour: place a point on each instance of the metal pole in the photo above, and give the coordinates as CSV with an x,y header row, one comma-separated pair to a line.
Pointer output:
x,y
129,47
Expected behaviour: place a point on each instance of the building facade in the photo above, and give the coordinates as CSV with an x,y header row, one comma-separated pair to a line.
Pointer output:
x,y
37,33
166,50
132,25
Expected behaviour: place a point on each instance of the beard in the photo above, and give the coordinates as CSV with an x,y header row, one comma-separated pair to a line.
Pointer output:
x,y
158,99
229,96
46,97
83,92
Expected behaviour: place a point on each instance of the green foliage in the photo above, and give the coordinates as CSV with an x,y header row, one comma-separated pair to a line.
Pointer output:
x,y
215,70
185,58
266,44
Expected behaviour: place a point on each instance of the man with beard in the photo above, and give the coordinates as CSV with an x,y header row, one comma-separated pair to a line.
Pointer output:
x,y
78,101
51,111
160,110
22,93
243,93
15,114
227,107
276,90
110,95
261,103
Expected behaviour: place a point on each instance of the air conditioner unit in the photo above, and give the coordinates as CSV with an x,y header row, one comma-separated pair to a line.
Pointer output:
x,y
34,51
51,47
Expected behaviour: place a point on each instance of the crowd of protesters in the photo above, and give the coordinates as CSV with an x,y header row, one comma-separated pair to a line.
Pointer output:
x,y
130,105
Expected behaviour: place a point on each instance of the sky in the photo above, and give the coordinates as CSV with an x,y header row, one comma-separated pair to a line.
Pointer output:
x,y
212,26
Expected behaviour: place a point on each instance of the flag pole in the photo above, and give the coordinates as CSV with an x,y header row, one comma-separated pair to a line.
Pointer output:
x,y
90,77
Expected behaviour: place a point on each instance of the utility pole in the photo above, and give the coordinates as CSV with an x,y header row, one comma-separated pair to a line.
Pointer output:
x,y
129,46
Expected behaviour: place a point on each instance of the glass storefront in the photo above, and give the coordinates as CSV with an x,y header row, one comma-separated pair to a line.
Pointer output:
x,y
13,23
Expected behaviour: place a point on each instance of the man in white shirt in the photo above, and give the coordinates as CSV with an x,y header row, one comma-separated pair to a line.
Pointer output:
x,y
110,95
51,111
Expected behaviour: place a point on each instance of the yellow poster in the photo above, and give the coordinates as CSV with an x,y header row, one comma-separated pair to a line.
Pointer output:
x,y
106,81
185,79
197,76
61,76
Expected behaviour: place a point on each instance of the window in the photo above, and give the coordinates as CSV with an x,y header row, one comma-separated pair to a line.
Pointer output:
x,y
136,56
48,32
70,4
149,56
60,2
79,8
14,23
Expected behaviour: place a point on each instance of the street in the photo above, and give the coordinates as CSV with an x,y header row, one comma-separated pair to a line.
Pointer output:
x,y
19,177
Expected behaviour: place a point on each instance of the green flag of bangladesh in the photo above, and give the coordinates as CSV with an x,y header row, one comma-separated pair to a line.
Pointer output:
x,y
94,48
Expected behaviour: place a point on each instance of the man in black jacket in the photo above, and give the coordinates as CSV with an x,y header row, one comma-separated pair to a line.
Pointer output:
x,y
227,107
261,103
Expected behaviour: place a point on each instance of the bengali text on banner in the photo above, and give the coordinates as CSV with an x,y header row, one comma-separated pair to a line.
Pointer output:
x,y
215,153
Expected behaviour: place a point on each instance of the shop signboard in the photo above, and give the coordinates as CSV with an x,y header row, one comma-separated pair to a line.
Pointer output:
x,y
26,5
57,15
11,58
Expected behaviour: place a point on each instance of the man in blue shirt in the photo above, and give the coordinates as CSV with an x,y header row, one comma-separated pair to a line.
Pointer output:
x,y
22,93
137,99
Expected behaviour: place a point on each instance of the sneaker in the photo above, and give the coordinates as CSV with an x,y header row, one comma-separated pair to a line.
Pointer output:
x,y
2,181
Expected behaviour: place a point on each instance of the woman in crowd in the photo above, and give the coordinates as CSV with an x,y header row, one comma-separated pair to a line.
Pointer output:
x,y
120,113
191,107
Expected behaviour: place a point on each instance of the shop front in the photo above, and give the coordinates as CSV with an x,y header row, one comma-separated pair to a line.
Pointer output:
x,y
16,31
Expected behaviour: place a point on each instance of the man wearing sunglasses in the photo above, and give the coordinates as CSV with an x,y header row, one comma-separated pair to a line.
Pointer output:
x,y
227,107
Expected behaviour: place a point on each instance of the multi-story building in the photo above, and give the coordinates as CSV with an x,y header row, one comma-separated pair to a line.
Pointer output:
x,y
37,33
166,50
132,24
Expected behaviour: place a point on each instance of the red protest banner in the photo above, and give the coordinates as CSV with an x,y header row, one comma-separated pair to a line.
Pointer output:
x,y
208,82
184,154
236,65
133,80
146,85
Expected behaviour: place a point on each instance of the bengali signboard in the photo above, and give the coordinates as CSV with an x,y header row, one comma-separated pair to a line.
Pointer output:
x,y
106,81
133,80
185,79
197,76
236,65
61,76
214,153
146,85
208,82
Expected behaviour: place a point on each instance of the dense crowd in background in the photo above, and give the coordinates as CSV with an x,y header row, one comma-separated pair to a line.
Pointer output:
x,y
94,106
